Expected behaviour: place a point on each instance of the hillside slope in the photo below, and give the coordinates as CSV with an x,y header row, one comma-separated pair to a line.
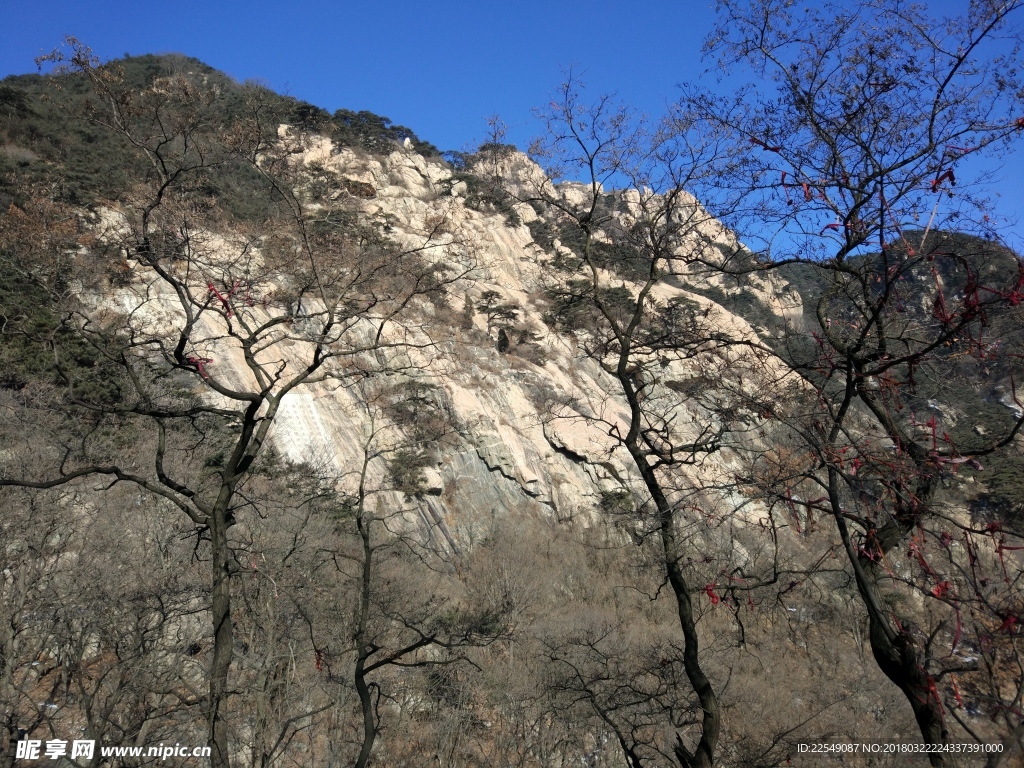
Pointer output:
x,y
317,453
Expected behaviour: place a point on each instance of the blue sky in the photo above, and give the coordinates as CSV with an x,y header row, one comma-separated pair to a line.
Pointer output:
x,y
439,68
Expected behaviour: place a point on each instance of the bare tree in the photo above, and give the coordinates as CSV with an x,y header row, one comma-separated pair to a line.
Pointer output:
x,y
214,330
855,167
391,604
621,295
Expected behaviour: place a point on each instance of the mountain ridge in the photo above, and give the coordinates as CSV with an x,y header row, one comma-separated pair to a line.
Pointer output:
x,y
451,490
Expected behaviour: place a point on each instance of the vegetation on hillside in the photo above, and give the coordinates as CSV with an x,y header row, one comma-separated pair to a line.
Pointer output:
x,y
43,139
842,494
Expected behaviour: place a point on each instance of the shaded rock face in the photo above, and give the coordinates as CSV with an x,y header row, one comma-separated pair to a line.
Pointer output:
x,y
530,430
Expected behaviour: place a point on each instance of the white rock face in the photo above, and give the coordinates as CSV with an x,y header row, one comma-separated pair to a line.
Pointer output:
x,y
533,436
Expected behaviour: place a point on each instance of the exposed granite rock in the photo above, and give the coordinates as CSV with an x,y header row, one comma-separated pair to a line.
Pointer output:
x,y
532,435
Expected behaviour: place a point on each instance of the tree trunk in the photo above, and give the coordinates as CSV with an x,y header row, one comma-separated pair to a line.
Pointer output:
x,y
703,755
362,649
366,706
894,650
899,659
223,632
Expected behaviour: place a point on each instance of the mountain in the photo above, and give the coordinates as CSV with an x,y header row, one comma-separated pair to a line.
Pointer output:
x,y
511,457
315,449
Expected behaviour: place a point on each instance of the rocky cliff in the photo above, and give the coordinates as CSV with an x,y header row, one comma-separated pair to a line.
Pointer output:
x,y
530,426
